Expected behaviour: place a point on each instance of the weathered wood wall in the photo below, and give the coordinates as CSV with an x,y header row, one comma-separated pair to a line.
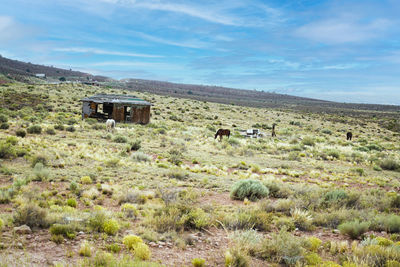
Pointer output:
x,y
118,113
141,114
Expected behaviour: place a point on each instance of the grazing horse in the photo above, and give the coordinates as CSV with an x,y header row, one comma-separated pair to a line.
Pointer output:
x,y
273,130
110,125
222,132
349,135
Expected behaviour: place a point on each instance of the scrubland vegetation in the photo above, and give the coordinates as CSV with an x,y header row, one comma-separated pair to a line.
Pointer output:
x,y
169,194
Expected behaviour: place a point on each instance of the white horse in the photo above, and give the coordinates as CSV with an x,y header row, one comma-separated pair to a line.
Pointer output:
x,y
110,124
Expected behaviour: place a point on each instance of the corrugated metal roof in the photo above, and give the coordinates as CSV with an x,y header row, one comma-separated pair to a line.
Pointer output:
x,y
117,99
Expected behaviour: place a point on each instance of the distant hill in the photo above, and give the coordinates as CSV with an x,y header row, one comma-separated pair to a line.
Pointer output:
x,y
26,72
18,69
251,97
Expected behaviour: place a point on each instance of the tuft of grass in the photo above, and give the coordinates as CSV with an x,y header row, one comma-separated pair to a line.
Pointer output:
x,y
31,215
85,250
354,229
390,164
140,157
120,139
34,129
131,240
110,227
250,189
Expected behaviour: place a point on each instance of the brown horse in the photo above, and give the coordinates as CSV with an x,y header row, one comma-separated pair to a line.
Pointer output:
x,y
273,130
222,132
349,136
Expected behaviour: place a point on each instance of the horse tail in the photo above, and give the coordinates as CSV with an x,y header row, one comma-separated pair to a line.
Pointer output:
x,y
229,133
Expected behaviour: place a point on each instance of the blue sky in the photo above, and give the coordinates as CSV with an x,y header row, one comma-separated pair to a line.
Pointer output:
x,y
346,51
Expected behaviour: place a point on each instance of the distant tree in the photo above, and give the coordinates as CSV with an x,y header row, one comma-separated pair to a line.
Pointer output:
x,y
28,70
190,92
62,79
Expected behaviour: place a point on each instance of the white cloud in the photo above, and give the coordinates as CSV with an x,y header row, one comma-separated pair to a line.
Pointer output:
x,y
11,30
189,44
342,30
103,52
137,64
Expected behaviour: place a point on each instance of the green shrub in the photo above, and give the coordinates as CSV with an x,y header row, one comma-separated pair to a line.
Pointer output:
x,y
198,262
313,243
285,222
115,248
40,172
1,224
141,251
34,129
59,127
392,223
65,230
85,249
70,129
250,189
86,180
20,133
96,221
131,240
130,210
283,247
354,229
390,164
140,156
308,141
50,131
236,258
135,146
312,259
71,202
120,139
38,159
4,126
111,227
31,215
3,118
7,150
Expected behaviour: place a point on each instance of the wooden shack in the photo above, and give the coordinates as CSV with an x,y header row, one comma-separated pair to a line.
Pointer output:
x,y
121,108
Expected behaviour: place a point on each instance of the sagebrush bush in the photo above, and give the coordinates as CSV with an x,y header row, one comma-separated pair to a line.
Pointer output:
x,y
72,202
111,226
198,262
353,229
85,249
34,129
390,164
235,257
70,129
250,189
140,157
130,210
4,126
7,150
31,215
20,133
135,146
120,139
131,240
141,251
86,180
40,172
65,230
308,141
283,247
38,159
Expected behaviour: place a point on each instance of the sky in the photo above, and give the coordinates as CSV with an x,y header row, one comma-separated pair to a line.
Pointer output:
x,y
345,51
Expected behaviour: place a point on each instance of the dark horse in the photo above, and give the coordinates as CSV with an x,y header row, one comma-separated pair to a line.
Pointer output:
x,y
349,136
222,132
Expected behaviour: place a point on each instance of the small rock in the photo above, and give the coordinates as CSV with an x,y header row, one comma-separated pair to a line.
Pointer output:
x,y
20,246
336,231
160,246
161,243
28,237
23,229
81,233
152,244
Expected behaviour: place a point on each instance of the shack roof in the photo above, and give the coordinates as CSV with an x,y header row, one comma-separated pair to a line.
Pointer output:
x,y
116,99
